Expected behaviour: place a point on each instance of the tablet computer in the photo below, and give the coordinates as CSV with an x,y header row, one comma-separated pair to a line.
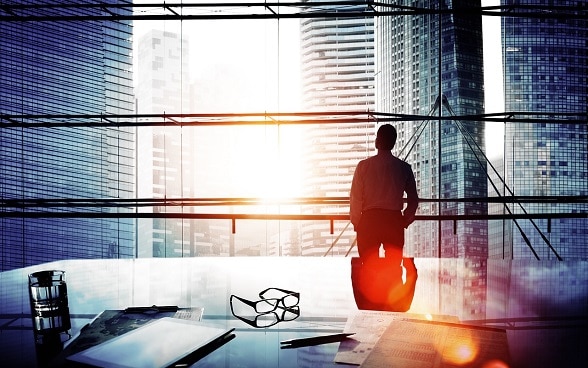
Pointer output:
x,y
160,343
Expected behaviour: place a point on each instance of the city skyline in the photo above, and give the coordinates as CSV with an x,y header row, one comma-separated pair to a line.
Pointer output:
x,y
495,99
275,172
280,89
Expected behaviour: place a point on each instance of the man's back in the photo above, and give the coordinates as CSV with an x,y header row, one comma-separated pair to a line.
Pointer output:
x,y
379,182
385,178
376,204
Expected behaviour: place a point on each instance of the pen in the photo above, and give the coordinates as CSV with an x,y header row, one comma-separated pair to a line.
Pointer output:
x,y
153,308
315,340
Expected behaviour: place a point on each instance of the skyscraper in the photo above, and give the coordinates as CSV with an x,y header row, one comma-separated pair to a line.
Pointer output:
x,y
499,231
65,67
545,74
164,164
337,75
432,64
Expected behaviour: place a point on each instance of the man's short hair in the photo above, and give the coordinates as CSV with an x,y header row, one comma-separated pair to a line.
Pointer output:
x,y
386,137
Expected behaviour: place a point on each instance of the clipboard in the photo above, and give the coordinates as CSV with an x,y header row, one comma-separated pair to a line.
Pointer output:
x,y
160,343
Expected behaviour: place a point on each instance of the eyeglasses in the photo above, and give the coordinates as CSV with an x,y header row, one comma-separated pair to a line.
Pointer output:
x,y
270,301
275,305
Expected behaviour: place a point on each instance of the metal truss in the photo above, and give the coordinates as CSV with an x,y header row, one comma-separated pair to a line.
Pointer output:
x,y
269,118
103,11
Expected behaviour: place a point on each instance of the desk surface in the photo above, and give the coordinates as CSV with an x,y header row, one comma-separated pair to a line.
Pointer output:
x,y
542,305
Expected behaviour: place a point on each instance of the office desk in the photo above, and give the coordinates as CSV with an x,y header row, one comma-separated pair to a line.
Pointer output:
x,y
542,305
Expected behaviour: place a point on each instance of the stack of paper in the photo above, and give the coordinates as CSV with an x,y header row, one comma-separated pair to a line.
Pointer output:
x,y
390,340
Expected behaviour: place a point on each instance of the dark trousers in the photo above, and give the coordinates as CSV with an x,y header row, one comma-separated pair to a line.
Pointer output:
x,y
381,227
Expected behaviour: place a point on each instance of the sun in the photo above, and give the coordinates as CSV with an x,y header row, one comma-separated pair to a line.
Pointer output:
x,y
265,162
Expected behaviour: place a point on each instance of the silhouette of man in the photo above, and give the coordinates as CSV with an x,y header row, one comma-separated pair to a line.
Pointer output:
x,y
377,208
379,217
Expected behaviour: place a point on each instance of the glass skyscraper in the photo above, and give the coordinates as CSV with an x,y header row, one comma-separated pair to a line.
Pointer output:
x,y
165,154
337,76
432,64
65,67
545,75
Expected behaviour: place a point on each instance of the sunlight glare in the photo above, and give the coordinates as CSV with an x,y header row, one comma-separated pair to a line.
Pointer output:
x,y
461,351
266,165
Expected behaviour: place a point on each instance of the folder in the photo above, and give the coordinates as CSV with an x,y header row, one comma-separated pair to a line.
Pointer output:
x,y
160,343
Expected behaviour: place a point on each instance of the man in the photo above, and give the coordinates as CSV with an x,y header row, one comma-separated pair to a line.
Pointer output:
x,y
376,200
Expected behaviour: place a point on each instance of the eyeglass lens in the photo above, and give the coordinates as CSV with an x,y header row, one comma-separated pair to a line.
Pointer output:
x,y
266,305
286,298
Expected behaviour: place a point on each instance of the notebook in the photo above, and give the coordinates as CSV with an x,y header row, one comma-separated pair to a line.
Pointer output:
x,y
160,343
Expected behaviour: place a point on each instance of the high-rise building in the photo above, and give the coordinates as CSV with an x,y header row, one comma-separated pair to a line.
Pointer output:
x,y
545,74
338,76
164,153
65,67
432,64
499,231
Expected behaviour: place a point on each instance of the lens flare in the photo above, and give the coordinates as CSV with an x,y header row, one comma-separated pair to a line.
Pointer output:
x,y
495,363
461,351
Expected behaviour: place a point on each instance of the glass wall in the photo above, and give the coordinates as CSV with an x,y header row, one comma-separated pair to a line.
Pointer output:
x,y
190,130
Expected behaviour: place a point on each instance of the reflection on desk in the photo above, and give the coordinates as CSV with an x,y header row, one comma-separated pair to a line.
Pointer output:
x,y
542,305
379,285
110,324
161,342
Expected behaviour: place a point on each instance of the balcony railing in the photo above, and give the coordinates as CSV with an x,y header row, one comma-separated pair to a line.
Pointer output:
x,y
191,208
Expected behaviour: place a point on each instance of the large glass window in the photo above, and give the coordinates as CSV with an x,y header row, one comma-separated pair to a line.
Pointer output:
x,y
182,130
